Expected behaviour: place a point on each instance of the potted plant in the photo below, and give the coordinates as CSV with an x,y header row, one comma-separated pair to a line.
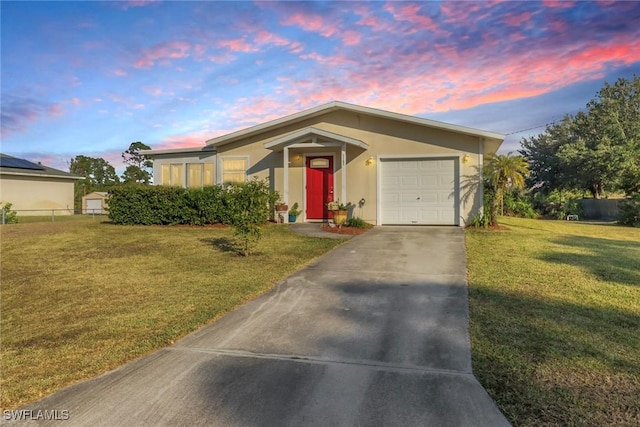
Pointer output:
x,y
294,212
281,206
340,212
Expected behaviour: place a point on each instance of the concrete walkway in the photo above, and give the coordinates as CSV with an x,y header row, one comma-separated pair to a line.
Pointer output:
x,y
374,333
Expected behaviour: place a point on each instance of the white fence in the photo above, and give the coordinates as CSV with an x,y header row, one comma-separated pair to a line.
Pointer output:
x,y
49,213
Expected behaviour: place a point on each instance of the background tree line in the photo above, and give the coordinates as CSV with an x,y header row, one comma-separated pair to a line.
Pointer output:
x,y
99,175
594,153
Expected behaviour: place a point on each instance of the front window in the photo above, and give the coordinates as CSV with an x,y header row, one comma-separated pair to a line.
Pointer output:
x,y
234,170
199,174
173,174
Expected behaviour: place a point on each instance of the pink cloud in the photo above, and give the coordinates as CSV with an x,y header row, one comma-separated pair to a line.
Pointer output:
x,y
311,22
350,37
163,52
238,45
518,19
410,12
558,4
119,72
56,110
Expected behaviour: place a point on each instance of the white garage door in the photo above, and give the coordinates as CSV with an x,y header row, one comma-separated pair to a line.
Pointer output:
x,y
419,191
94,206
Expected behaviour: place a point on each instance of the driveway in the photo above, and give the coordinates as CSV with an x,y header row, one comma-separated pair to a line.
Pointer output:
x,y
373,333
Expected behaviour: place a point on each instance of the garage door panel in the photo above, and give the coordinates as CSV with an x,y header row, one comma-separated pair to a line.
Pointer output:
x,y
419,191
409,181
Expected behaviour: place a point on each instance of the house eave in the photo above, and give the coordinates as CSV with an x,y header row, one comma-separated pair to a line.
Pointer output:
x,y
39,175
188,150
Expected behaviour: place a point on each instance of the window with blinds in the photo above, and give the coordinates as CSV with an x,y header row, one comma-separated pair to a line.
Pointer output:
x,y
199,174
172,174
234,170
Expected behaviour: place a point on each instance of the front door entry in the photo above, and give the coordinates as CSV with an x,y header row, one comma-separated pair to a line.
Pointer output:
x,y
319,186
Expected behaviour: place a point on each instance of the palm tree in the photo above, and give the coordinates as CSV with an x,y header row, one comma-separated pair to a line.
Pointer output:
x,y
502,172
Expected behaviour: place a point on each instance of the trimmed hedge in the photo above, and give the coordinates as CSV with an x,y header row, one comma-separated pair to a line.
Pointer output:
x,y
162,205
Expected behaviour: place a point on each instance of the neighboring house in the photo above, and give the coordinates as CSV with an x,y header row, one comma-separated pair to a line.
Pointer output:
x,y
35,189
395,168
95,203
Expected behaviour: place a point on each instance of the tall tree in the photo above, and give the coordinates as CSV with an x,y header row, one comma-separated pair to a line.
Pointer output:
x,y
501,173
597,150
98,175
139,167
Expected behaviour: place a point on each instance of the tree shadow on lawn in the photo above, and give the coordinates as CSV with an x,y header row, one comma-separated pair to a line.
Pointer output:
x,y
222,243
610,260
536,356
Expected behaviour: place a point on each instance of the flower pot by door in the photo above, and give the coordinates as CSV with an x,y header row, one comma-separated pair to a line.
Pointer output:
x,y
339,217
292,218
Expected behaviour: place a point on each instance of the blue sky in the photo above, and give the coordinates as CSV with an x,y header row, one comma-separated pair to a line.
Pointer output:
x,y
91,77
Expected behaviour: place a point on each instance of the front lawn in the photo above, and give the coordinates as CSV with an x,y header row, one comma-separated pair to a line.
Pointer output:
x,y
83,297
555,321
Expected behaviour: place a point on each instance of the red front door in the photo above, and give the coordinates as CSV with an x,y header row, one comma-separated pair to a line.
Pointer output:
x,y
319,186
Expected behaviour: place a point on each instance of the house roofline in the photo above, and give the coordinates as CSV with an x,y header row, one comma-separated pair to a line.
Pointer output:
x,y
205,149
39,175
339,105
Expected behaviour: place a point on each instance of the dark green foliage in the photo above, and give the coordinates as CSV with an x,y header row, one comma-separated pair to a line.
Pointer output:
x,y
244,206
249,205
630,211
518,204
557,204
356,222
597,150
164,205
479,221
146,205
98,175
139,167
10,217
502,173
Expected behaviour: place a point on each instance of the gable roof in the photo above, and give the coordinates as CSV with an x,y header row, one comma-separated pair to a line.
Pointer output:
x,y
311,132
10,165
495,139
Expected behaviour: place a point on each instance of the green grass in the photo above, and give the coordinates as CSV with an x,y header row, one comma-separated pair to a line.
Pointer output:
x,y
555,321
28,219
80,298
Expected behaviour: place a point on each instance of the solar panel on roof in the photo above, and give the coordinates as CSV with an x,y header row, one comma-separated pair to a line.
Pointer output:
x,y
12,162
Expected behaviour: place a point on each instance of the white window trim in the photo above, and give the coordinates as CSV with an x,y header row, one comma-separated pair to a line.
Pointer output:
x,y
220,162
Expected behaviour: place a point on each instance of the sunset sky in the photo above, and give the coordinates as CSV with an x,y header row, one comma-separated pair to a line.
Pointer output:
x,y
91,77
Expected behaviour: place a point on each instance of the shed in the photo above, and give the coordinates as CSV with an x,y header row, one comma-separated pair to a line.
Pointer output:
x,y
95,203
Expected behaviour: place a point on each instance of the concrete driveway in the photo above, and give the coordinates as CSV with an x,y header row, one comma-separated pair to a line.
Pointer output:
x,y
373,333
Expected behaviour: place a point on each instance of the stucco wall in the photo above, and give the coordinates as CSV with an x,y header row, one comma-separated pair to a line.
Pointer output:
x,y
34,193
385,138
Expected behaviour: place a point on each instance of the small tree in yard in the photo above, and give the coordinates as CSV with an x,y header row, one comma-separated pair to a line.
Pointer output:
x,y
249,206
8,216
503,172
